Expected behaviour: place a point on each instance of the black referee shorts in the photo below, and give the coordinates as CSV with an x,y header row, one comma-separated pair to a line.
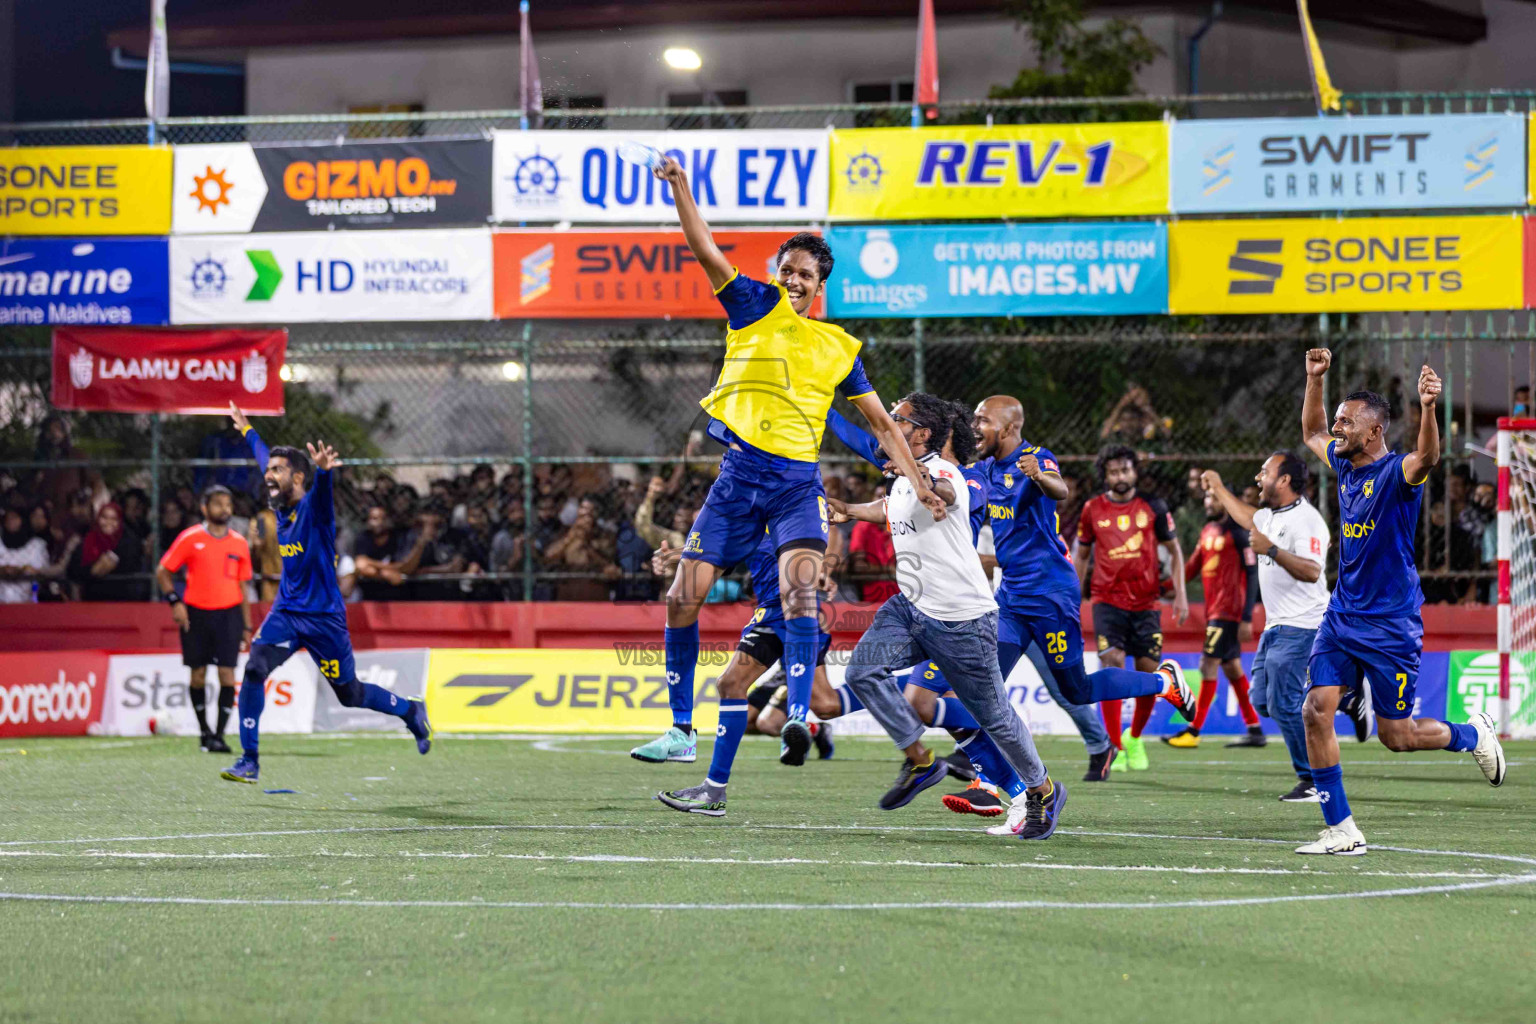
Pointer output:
x,y
212,637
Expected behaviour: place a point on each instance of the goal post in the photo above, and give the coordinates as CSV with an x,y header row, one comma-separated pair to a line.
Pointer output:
x,y
1517,567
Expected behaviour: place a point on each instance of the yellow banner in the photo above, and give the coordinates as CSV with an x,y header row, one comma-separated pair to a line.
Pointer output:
x,y
975,172
1317,266
563,691
85,190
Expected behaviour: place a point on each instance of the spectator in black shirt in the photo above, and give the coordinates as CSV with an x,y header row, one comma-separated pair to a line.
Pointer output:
x,y
380,557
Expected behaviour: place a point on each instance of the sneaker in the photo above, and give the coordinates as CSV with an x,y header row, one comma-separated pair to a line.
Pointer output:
x,y
978,798
1254,737
214,744
243,770
1185,739
421,727
1100,765
698,799
1304,793
1182,698
1342,840
672,745
960,766
1118,761
1357,706
1135,751
822,737
794,742
912,780
1489,752
1010,825
1041,812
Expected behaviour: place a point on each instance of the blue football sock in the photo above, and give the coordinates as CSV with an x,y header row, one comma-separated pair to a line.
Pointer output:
x,y
733,725
991,764
1463,737
253,697
1330,790
681,646
376,698
1119,683
802,638
949,713
850,700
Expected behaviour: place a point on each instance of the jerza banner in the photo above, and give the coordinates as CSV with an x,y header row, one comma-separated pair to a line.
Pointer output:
x,y
85,190
1277,165
153,687
735,176
53,693
620,273
977,172
334,275
109,369
999,270
84,281
232,187
1362,264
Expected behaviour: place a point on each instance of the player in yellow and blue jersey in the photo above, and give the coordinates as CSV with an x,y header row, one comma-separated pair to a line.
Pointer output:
x,y
769,409
1372,627
309,611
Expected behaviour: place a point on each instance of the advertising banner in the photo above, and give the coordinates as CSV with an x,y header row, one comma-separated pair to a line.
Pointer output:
x,y
334,275
1278,165
620,273
1474,687
145,687
1309,266
108,369
1530,262
400,672
999,270
84,281
85,190
231,187
737,176
976,172
52,693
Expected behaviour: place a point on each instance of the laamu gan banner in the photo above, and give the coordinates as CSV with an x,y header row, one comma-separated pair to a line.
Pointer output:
x,y
85,190
1361,264
114,369
1277,165
84,281
977,172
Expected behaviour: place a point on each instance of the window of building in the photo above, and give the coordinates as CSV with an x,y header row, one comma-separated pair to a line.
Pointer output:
x,y
897,91
712,98
573,120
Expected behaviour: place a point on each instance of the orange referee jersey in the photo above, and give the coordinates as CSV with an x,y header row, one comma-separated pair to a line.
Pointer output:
x,y
216,566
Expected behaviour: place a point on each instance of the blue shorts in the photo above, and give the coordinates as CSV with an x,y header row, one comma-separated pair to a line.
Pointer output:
x,y
928,676
1052,619
751,493
764,636
323,634
1385,650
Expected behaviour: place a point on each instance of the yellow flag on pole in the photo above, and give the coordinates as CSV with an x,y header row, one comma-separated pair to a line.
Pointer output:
x,y
1322,86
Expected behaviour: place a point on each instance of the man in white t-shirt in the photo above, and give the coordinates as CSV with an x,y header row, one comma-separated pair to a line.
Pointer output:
x,y
22,557
944,613
1291,539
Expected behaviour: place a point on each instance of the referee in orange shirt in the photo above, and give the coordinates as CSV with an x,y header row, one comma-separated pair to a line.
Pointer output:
x,y
214,616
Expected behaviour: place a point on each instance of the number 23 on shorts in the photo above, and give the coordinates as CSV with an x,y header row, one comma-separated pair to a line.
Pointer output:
x,y
330,668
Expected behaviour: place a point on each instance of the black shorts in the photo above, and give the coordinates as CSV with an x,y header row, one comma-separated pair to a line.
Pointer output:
x,y
212,637
764,646
1138,634
1221,640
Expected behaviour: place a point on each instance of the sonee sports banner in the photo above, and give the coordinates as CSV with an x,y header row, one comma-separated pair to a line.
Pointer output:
x,y
85,190
106,369
1363,264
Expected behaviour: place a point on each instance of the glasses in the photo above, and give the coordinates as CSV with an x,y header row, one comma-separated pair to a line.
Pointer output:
x,y
902,419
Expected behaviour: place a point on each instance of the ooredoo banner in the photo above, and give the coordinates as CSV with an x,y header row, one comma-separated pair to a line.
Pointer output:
x,y
153,687
85,190
52,693
111,369
84,281
743,176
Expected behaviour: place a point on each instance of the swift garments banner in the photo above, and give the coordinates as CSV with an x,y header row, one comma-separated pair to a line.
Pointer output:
x,y
976,172
1360,264
108,369
55,693
80,281
85,190
620,273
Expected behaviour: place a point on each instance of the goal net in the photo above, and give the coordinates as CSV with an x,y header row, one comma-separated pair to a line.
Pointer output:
x,y
1508,694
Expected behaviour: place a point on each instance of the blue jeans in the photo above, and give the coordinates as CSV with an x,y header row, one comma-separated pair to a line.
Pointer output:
x,y
1280,687
966,652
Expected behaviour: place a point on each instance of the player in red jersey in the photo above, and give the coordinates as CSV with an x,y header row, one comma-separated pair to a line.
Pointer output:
x,y
1230,573
1122,530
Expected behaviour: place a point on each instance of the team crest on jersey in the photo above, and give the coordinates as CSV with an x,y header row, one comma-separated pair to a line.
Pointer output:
x,y
1141,521
1124,523
1369,486
1007,479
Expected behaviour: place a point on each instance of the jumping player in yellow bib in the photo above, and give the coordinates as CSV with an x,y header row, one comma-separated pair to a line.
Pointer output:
x,y
769,410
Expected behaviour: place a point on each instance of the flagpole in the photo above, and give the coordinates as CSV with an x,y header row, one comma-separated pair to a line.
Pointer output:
x,y
522,47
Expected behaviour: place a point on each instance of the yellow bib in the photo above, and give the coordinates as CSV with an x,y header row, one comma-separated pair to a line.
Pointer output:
x,y
778,380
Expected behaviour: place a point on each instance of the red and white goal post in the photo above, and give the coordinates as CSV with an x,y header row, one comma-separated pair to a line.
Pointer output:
x,y
1517,573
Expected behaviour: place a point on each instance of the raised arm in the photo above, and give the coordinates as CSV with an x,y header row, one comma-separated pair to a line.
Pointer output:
x,y
859,441
321,496
895,445
695,230
1240,511
1314,418
1418,463
258,446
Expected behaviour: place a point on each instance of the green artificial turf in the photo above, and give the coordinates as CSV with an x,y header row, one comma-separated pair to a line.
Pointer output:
x,y
558,822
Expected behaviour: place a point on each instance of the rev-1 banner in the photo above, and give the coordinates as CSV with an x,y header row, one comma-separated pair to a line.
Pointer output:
x,y
104,369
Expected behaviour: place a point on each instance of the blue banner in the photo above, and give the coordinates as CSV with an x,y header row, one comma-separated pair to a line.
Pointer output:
x,y
85,281
999,270
1277,165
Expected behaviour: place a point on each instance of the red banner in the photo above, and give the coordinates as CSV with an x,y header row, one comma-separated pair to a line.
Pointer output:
x,y
620,273
125,369
52,694
1530,262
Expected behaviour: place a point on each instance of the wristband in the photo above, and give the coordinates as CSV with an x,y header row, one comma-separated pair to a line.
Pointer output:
x,y
173,598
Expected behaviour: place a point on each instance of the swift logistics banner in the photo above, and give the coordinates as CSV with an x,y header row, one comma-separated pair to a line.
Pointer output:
x,y
1278,165
735,176
1361,264
84,281
317,276
999,270
231,187
85,190
117,369
620,273
976,172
